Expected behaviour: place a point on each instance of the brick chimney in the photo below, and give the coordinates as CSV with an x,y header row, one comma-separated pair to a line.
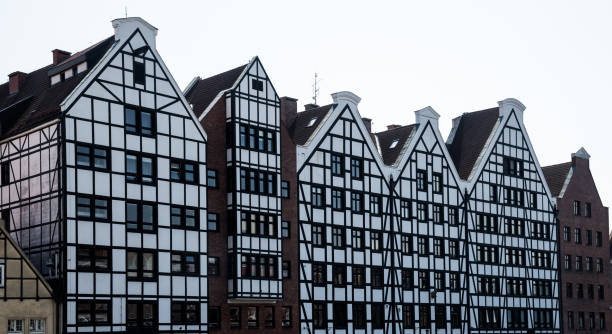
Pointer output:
x,y
368,123
393,126
288,110
310,106
59,56
16,79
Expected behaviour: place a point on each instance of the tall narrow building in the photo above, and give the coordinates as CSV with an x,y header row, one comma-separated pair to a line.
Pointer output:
x,y
584,226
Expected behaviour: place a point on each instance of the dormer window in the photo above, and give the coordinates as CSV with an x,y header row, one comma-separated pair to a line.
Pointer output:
x,y
312,122
394,143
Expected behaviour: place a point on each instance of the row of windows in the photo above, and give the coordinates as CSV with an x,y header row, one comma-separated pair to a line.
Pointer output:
x,y
253,317
339,318
588,263
141,264
140,314
569,291
258,224
16,326
422,181
257,182
587,209
581,323
512,226
578,236
513,196
257,138
513,256
490,318
337,166
515,286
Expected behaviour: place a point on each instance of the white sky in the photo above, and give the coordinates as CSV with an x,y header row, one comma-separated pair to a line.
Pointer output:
x,y
457,56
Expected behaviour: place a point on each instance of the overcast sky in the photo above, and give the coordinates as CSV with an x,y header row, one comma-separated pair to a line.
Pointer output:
x,y
456,56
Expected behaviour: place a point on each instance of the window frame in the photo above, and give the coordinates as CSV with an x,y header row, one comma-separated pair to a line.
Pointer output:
x,y
138,127
93,311
140,224
140,271
93,257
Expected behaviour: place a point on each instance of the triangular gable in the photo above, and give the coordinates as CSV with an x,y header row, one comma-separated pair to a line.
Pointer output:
x,y
101,81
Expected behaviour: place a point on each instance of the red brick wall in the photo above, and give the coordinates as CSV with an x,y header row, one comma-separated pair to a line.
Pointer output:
x,y
582,188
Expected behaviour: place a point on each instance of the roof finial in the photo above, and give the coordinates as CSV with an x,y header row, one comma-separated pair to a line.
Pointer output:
x,y
126,12
315,88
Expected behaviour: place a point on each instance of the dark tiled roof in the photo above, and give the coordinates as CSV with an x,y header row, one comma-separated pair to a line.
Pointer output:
x,y
555,176
386,138
300,131
470,138
204,91
37,102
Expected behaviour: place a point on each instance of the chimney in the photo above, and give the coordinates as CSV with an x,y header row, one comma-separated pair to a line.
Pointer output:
x,y
368,123
59,56
288,110
16,79
393,126
310,106
581,158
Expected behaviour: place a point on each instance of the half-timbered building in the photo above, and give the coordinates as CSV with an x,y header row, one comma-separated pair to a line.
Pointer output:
x,y
103,183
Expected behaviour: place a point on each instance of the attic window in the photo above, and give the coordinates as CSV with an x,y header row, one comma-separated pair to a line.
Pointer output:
x,y
141,50
394,143
139,72
312,122
257,85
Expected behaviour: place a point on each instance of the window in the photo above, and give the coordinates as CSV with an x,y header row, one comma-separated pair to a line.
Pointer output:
x,y
378,316
37,326
319,315
286,269
516,257
358,277
185,263
139,168
259,139
377,277
376,241
268,316
600,265
566,234
580,320
598,239
405,209
600,292
577,236
486,223
423,246
375,204
591,320
234,317
356,168
579,290
516,227
139,71
439,281
533,200
492,193
89,156
317,196
453,249
92,208
423,279
438,247
517,287
139,216
312,122
589,237
517,318
252,313
339,274
141,264
211,178
513,167
602,320
337,199
319,274
569,290
576,208
455,316
214,317
338,237
141,314
436,181
94,259
587,209
185,217
5,172
286,316
359,315
339,316
212,222
259,266
453,216
185,312
408,316
213,266
440,316
424,316
489,318
486,254
421,180
15,326
588,264
318,235
358,239
406,244
453,281
488,285
92,312
139,121
422,212
437,213
407,279
257,85
2,275
570,320
540,230
568,262
514,196
260,224
285,189
337,165
183,171
285,229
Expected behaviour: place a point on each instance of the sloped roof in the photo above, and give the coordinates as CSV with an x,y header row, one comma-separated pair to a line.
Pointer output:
x,y
300,130
204,91
386,138
37,101
470,138
555,176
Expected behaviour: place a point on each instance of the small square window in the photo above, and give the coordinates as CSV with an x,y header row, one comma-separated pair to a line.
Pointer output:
x,y
212,224
284,189
286,269
212,178
285,229
257,85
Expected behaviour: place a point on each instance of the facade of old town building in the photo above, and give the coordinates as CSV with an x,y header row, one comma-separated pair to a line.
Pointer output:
x,y
221,208
585,259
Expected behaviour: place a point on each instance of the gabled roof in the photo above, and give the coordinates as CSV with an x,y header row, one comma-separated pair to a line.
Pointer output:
x,y
556,175
470,136
203,91
300,130
37,101
386,138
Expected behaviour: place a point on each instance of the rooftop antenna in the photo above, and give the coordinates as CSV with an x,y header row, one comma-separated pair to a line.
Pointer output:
x,y
315,88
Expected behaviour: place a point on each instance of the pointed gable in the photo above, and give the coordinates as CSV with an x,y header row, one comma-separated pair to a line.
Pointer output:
x,y
202,92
